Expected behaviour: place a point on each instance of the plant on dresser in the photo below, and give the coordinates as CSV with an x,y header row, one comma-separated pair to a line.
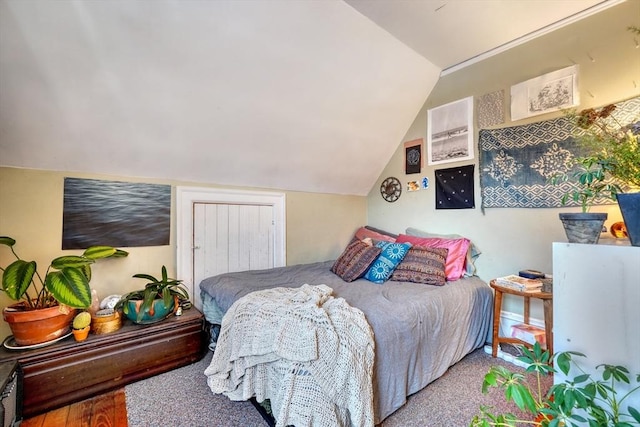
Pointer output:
x,y
158,299
46,303
583,400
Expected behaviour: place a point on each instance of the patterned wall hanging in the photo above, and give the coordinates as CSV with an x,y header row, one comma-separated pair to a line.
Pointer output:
x,y
454,188
490,109
516,163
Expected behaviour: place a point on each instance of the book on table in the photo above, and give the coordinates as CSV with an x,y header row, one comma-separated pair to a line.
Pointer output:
x,y
518,283
529,334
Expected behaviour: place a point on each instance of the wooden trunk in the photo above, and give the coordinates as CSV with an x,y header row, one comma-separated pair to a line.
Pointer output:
x,y
70,371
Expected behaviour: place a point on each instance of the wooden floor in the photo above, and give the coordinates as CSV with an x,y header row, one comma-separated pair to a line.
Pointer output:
x,y
106,410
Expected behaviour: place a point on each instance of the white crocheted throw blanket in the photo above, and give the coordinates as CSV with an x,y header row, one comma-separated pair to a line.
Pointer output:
x,y
311,354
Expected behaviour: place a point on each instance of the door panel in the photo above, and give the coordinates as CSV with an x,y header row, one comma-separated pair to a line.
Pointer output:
x,y
231,237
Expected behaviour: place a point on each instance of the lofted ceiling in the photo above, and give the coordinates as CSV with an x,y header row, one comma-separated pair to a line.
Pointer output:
x,y
293,95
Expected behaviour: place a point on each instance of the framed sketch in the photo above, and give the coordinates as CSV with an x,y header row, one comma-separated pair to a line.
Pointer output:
x,y
551,92
450,132
413,156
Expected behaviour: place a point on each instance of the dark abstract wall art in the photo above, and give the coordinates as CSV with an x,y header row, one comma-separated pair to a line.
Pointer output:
x,y
114,213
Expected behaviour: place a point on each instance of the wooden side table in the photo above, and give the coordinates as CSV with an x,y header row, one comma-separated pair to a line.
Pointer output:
x,y
547,301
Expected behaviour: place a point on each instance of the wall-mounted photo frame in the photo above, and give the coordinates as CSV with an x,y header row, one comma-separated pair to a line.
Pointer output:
x,y
551,92
450,132
115,213
413,156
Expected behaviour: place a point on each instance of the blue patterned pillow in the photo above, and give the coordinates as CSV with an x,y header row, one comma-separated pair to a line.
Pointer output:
x,y
382,268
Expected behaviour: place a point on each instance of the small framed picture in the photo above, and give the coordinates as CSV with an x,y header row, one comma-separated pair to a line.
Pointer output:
x,y
450,132
413,156
551,92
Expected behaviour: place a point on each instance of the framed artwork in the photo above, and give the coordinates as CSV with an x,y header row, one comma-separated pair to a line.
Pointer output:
x,y
413,156
114,213
551,92
450,132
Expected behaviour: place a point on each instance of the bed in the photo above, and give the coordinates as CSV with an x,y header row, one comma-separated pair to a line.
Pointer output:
x,y
420,330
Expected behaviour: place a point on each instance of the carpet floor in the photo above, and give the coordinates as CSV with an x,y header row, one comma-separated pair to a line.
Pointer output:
x,y
182,398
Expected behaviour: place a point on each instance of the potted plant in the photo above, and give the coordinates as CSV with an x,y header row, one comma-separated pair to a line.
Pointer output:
x,y
619,147
158,299
46,304
589,178
81,325
583,400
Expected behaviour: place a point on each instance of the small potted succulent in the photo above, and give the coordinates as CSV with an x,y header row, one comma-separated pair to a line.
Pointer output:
x,y
81,325
159,299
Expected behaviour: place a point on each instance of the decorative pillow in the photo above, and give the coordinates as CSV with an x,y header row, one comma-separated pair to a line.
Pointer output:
x,y
422,265
454,267
355,260
392,254
472,254
375,234
378,230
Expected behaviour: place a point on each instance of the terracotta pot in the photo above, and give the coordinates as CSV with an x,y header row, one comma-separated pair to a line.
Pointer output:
x,y
30,327
81,334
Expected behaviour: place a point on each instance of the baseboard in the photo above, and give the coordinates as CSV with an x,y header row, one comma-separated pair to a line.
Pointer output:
x,y
506,356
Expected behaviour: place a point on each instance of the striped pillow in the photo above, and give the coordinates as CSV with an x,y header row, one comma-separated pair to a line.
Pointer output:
x,y
355,260
422,265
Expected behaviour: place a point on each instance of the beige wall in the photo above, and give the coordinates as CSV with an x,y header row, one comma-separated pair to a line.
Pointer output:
x,y
318,227
514,239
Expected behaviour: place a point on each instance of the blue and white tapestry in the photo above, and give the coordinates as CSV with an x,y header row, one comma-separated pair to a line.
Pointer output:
x,y
516,163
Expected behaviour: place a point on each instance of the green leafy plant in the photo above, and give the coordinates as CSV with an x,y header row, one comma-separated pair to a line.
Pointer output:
x,y
66,280
583,400
611,142
164,288
590,182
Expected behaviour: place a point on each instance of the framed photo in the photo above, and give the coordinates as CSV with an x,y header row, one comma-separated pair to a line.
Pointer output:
x,y
551,92
450,132
413,156
114,213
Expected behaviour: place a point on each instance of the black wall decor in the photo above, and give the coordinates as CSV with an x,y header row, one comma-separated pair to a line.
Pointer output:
x,y
454,188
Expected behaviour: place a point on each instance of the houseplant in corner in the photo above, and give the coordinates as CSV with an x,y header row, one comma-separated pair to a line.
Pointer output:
x,y
581,401
618,145
46,305
158,299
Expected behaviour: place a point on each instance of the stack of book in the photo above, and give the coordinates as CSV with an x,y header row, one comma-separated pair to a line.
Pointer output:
x,y
518,283
529,334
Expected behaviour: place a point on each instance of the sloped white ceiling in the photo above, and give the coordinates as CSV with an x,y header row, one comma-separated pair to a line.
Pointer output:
x,y
450,32
295,95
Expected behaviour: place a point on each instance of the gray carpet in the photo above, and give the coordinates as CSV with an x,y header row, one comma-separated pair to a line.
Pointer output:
x,y
182,398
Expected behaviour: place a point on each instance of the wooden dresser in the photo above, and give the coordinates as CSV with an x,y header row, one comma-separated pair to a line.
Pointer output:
x,y
70,371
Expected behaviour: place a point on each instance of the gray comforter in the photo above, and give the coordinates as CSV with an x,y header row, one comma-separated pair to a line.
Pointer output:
x,y
420,330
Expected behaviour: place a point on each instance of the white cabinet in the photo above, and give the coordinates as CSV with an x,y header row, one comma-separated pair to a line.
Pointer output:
x,y
596,304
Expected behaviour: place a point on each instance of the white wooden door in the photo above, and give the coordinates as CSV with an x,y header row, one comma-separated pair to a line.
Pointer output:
x,y
231,237
221,231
